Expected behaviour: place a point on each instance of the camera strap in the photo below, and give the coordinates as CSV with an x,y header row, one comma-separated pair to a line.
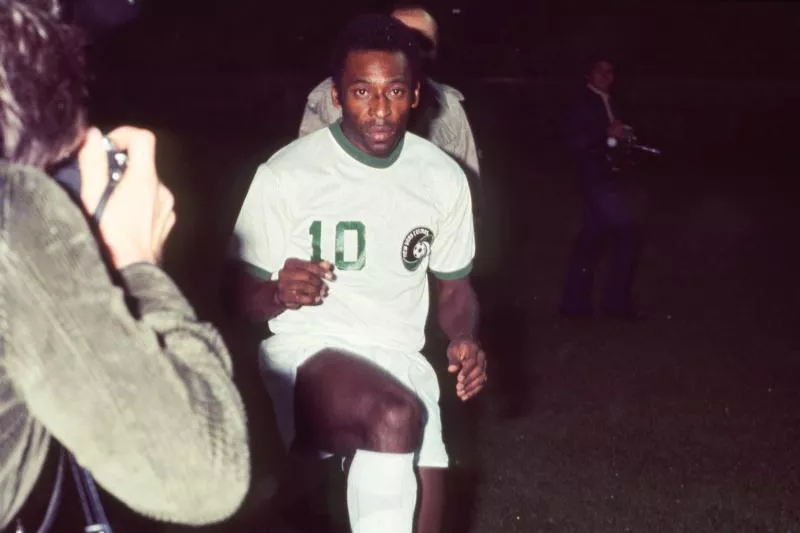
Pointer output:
x,y
94,515
117,163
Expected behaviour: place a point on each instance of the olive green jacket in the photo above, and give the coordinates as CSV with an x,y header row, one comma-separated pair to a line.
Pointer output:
x,y
140,391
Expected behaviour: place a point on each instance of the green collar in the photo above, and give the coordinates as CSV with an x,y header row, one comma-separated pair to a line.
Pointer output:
x,y
360,156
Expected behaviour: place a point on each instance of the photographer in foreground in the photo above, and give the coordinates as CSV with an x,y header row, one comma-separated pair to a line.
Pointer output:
x,y
127,380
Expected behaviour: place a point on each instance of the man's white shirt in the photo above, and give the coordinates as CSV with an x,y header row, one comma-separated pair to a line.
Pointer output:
x,y
382,222
604,96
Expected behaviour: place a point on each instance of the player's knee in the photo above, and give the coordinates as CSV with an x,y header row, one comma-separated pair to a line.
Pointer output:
x,y
396,423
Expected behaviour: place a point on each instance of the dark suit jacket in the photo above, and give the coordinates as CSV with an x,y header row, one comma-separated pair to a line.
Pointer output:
x,y
586,124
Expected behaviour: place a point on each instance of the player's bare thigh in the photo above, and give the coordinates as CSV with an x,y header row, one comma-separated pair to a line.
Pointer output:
x,y
344,403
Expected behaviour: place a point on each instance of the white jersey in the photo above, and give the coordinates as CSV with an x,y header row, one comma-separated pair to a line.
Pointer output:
x,y
383,222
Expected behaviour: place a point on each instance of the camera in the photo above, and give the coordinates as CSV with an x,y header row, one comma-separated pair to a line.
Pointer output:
x,y
69,175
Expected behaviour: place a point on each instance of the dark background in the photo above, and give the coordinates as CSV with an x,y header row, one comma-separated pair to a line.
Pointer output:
x,y
721,71
717,40
686,422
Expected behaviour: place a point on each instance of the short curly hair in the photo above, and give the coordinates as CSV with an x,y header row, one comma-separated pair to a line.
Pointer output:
x,y
377,32
43,85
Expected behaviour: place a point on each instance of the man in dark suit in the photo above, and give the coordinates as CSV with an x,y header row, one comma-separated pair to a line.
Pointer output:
x,y
607,221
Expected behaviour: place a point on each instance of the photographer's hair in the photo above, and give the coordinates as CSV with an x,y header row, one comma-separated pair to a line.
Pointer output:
x,y
375,33
42,83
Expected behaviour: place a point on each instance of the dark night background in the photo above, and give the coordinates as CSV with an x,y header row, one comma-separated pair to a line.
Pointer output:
x,y
685,422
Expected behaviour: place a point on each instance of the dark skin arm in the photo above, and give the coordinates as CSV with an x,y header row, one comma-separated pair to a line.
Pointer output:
x,y
256,297
458,318
299,283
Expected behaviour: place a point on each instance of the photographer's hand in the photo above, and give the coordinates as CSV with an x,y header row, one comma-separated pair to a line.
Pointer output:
x,y
139,214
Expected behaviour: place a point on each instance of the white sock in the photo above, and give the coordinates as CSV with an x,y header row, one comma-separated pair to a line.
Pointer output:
x,y
381,492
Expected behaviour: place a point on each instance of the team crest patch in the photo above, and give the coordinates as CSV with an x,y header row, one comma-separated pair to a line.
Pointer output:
x,y
416,247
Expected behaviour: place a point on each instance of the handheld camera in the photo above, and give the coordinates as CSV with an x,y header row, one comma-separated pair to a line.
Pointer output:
x,y
69,175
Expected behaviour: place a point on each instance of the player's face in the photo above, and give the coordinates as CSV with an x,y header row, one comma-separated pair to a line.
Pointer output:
x,y
602,76
377,100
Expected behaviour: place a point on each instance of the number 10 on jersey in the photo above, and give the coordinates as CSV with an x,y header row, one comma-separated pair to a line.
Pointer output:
x,y
342,229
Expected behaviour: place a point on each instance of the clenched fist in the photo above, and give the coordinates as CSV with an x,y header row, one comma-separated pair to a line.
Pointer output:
x,y
467,359
302,283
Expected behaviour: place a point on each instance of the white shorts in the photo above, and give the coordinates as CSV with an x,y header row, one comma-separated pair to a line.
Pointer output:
x,y
281,355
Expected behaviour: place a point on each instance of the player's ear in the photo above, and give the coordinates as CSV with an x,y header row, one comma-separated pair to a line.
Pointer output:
x,y
335,96
415,97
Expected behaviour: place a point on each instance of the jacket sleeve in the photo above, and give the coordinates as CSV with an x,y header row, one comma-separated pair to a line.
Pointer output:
x,y
464,149
130,382
585,133
319,111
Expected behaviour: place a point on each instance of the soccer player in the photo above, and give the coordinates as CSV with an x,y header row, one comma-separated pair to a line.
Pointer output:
x,y
440,116
337,232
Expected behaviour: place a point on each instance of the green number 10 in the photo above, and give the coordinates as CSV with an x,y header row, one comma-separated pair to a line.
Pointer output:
x,y
316,236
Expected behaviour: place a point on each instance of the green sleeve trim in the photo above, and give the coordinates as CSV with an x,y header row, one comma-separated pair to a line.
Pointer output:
x,y
258,272
458,274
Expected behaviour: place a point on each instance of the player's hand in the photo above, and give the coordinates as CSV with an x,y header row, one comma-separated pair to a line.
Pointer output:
x,y
616,130
303,283
468,360
139,214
